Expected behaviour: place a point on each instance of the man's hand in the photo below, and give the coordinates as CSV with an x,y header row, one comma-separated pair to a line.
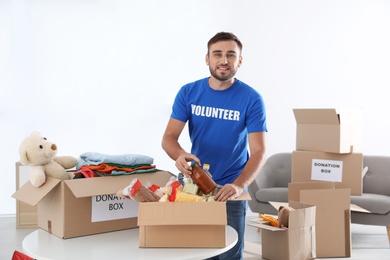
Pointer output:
x,y
182,163
228,192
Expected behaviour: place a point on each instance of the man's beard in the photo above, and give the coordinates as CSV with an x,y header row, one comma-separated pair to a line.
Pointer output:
x,y
225,77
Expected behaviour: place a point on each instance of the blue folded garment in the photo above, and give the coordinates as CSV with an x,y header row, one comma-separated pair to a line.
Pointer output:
x,y
93,158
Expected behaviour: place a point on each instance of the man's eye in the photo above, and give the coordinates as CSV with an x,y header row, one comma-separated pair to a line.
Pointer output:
x,y
231,55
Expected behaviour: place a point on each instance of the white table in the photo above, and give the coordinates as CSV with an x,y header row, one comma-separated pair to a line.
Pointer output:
x,y
112,245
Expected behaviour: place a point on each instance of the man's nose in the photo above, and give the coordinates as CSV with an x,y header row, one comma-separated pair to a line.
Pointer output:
x,y
224,60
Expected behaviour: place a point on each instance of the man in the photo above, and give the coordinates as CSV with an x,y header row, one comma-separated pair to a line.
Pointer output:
x,y
224,115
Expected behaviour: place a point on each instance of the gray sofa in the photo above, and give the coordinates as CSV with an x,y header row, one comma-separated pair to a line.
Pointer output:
x,y
272,182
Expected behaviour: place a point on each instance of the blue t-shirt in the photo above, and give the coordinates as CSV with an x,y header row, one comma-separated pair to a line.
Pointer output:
x,y
219,122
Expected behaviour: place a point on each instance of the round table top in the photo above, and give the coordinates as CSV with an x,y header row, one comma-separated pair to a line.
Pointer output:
x,y
112,245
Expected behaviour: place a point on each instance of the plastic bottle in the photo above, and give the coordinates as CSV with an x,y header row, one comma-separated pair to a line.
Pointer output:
x,y
206,168
203,179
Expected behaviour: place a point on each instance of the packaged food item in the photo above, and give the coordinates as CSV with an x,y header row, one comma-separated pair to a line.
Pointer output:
x,y
183,179
137,192
202,178
191,188
180,196
155,189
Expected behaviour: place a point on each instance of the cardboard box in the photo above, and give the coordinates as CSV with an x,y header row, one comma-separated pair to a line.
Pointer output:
x,y
26,215
296,242
79,207
345,170
326,130
183,224
333,233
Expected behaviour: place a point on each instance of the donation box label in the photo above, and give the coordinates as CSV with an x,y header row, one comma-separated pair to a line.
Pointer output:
x,y
327,170
112,207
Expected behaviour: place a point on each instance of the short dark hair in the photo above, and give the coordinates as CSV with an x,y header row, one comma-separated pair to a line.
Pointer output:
x,y
224,36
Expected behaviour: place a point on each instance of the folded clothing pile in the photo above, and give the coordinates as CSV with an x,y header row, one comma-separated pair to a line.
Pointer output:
x,y
93,164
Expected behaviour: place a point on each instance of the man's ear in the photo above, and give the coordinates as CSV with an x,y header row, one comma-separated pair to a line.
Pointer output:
x,y
207,59
240,62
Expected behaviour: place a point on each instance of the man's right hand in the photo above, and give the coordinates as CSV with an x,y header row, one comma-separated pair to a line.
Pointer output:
x,y
182,163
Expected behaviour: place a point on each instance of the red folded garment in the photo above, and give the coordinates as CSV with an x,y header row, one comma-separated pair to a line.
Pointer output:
x,y
20,256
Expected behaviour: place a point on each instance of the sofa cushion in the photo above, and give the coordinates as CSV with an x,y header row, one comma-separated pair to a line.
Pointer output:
x,y
279,194
378,204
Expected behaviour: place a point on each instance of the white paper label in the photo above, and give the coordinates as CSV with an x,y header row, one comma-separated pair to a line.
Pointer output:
x,y
327,170
111,207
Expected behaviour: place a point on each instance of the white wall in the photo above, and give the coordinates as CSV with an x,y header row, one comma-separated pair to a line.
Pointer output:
x,y
101,75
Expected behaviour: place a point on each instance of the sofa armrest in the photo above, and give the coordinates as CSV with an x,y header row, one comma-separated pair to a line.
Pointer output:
x,y
377,178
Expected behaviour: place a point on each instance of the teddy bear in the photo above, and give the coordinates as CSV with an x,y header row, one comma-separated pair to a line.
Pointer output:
x,y
283,215
39,153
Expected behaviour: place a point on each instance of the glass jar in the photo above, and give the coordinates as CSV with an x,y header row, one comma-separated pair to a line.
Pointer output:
x,y
201,178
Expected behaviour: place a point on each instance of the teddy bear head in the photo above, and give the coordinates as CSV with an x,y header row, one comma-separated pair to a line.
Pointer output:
x,y
283,215
36,150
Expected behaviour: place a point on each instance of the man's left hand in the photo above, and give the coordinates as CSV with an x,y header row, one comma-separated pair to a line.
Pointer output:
x,y
228,192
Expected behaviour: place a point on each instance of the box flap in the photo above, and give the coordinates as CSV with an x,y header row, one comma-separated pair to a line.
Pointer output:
x,y
323,199
182,213
111,184
356,208
32,195
277,204
244,196
316,116
266,225
294,191
294,188
304,215
333,235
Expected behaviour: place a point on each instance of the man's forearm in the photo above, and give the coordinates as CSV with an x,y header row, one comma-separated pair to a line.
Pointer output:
x,y
172,147
250,171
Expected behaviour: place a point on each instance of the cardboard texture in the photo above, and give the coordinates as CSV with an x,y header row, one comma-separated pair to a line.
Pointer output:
x,y
183,224
327,130
298,242
294,190
79,207
26,215
333,234
349,169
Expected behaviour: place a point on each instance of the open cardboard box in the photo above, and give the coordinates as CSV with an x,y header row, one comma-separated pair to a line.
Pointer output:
x,y
296,242
183,224
333,234
345,170
329,130
79,207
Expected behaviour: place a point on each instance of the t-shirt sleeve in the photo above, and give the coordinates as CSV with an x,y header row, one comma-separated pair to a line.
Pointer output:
x,y
179,107
256,120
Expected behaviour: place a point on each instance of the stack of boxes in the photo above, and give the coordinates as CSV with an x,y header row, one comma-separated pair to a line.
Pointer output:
x,y
327,168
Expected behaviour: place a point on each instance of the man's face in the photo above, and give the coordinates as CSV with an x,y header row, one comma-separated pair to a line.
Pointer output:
x,y
224,59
